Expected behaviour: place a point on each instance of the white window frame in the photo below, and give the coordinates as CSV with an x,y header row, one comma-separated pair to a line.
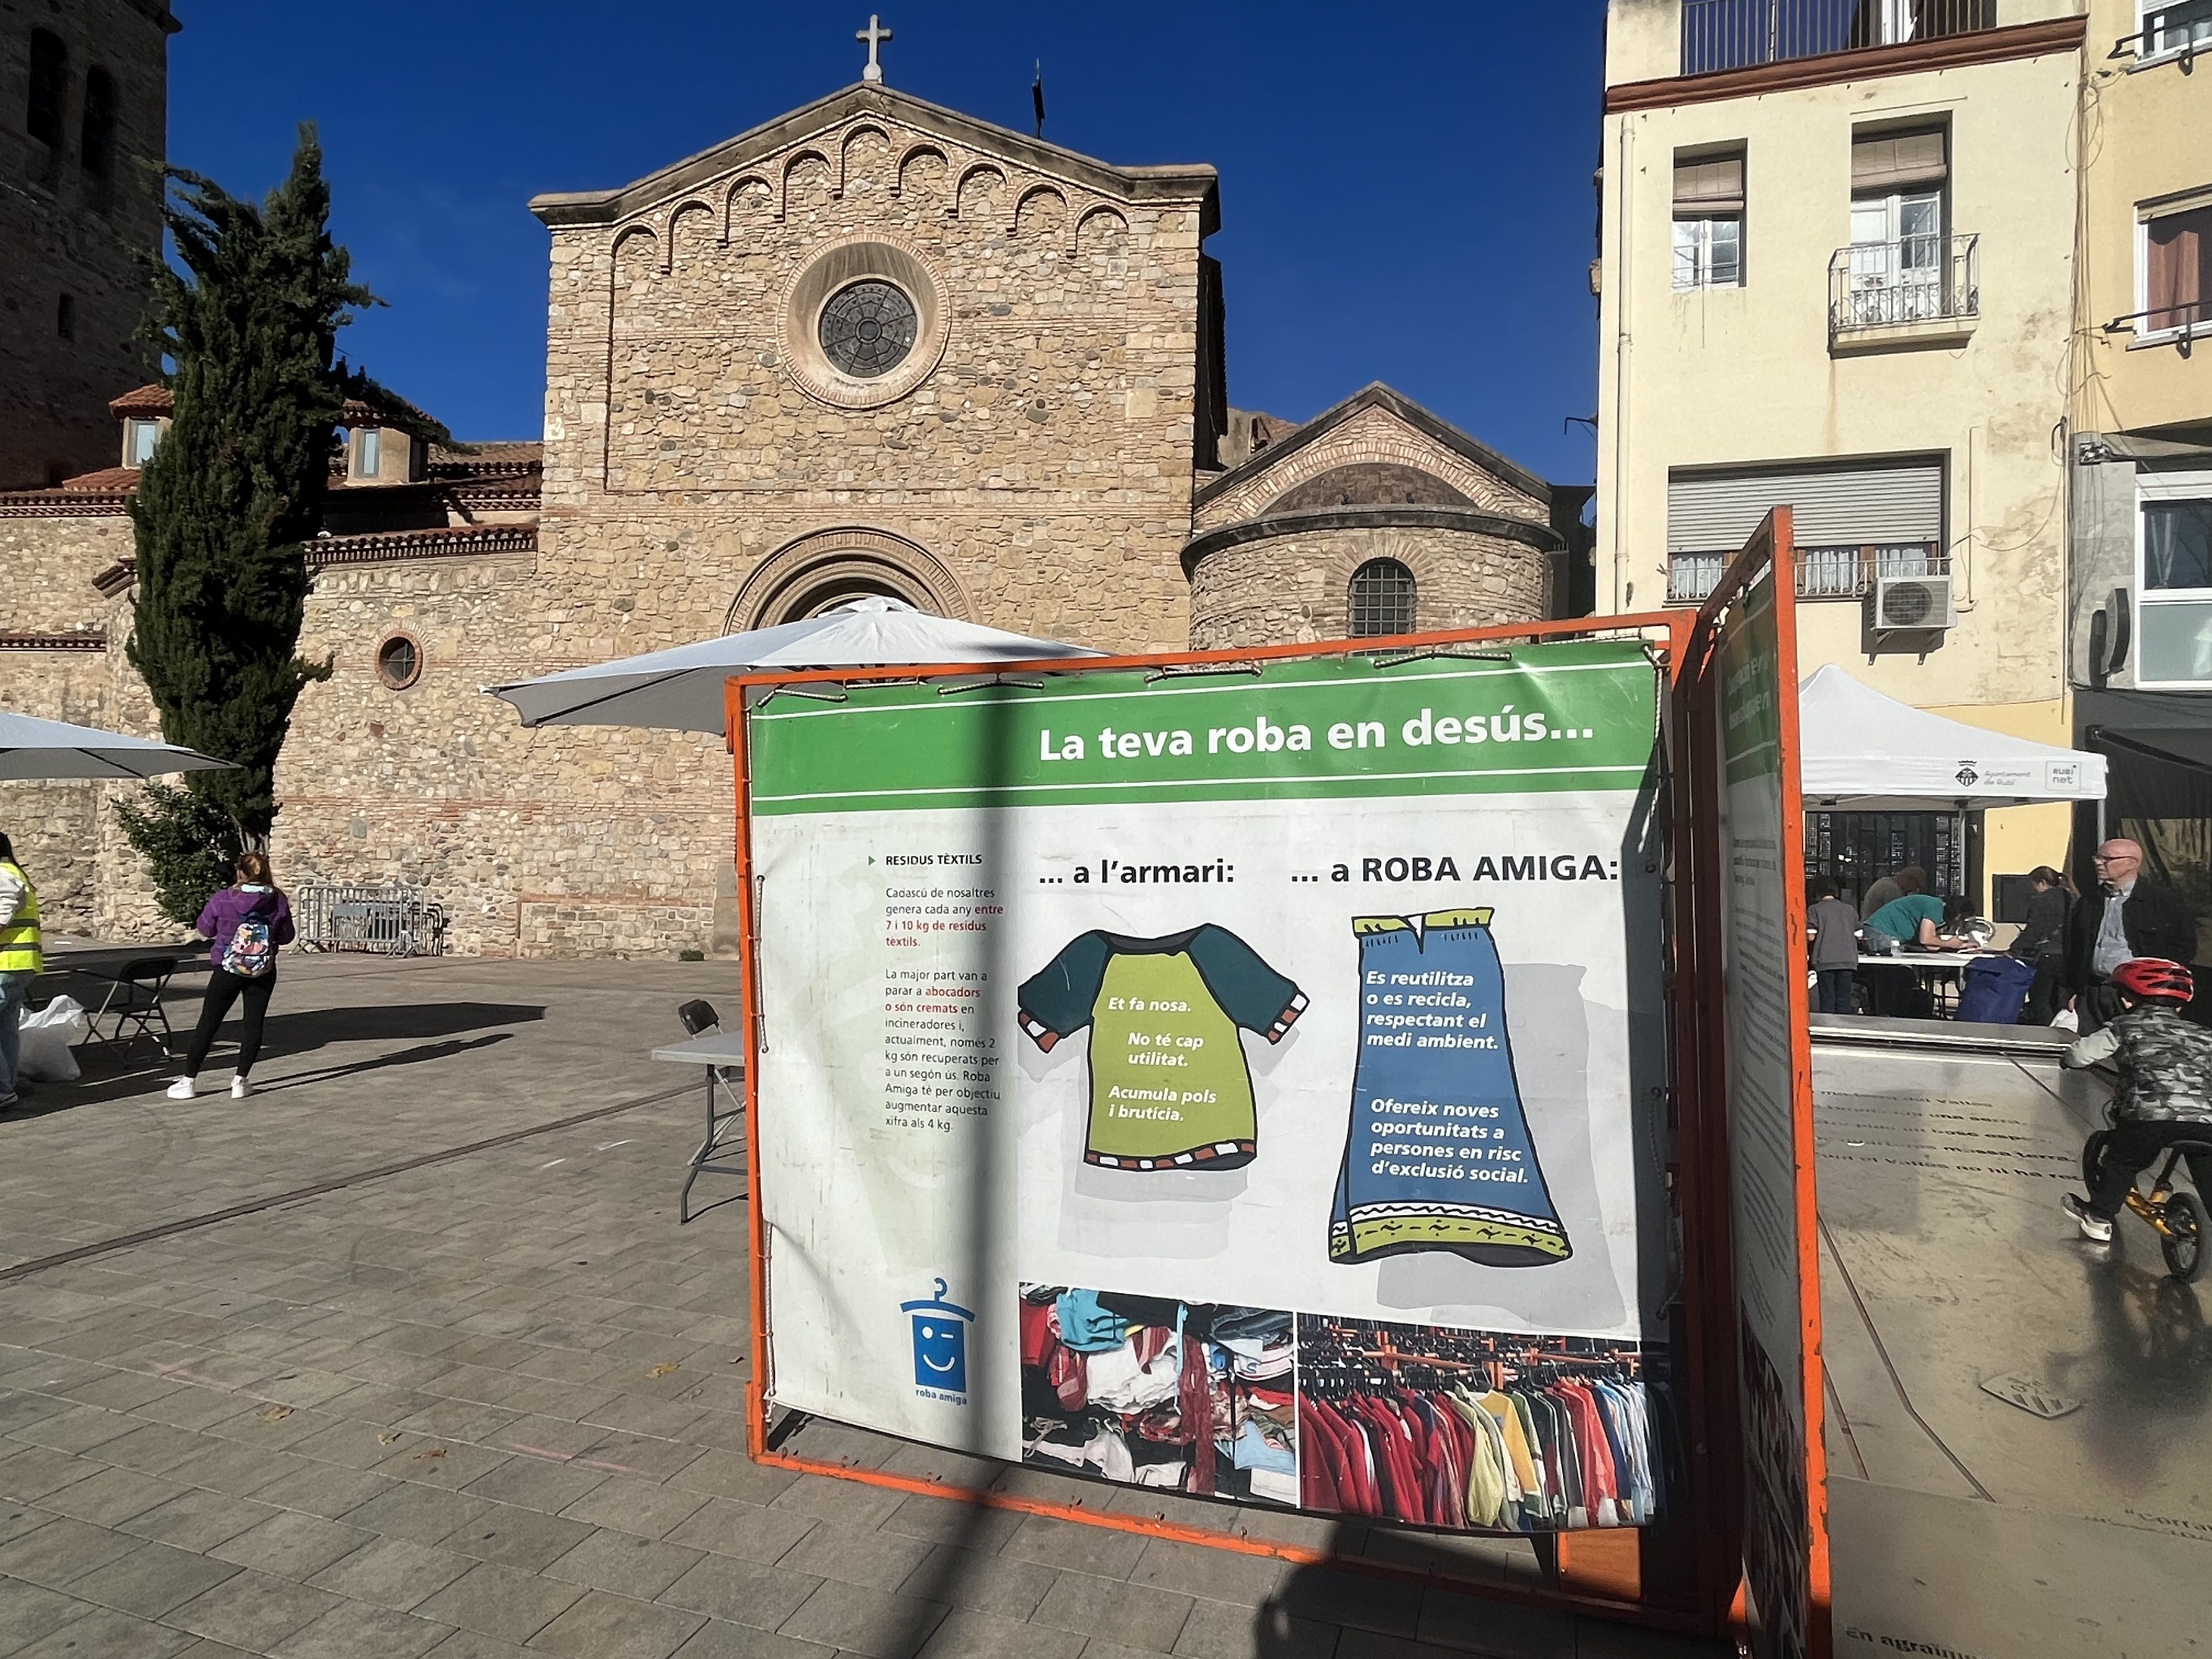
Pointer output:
x,y
1703,278
135,431
2170,487
2145,212
370,453
2146,54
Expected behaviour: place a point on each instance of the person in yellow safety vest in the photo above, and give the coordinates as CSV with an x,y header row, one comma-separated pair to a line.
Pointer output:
x,y
20,960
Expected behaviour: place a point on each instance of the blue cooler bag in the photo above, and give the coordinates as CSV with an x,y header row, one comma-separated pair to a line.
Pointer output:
x,y
1995,989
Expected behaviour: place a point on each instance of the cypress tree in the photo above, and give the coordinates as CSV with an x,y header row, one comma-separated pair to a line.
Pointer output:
x,y
229,499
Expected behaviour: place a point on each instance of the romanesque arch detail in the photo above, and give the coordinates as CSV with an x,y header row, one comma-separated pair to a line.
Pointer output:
x,y
824,567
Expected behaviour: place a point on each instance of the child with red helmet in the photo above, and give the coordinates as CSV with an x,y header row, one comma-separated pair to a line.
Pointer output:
x,y
2165,1088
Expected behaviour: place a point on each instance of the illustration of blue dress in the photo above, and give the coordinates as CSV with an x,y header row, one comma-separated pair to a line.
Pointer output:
x,y
1439,1156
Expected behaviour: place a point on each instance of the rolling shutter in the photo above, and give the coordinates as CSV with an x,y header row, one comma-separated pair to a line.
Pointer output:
x,y
1897,162
1709,189
1836,506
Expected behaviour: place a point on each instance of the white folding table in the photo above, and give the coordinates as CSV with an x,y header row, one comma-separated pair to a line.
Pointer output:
x,y
722,1056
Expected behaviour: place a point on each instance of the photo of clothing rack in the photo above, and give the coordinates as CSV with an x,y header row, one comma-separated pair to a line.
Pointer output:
x,y
1481,1431
1197,1397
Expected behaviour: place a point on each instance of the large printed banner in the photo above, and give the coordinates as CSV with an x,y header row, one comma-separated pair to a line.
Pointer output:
x,y
1243,1083
1770,1130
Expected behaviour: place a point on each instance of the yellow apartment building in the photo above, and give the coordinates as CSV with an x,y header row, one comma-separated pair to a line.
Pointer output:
x,y
2141,430
1837,260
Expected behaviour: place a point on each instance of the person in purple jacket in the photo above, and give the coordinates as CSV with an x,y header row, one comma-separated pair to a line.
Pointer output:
x,y
243,924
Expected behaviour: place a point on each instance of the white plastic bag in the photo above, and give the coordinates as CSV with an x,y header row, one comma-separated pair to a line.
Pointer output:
x,y
47,1037
2066,1020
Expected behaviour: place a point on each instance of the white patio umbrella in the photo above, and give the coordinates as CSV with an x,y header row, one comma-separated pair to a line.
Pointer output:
x,y
32,748
680,689
1861,752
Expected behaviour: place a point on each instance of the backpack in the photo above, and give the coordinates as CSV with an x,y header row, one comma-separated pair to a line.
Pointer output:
x,y
249,955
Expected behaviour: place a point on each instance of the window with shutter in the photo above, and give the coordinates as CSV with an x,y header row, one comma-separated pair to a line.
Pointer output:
x,y
1709,205
1854,524
2177,270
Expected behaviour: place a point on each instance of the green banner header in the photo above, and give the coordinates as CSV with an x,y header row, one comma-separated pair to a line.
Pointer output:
x,y
1578,716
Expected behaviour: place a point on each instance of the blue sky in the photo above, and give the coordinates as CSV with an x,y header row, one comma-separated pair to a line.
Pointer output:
x,y
1405,188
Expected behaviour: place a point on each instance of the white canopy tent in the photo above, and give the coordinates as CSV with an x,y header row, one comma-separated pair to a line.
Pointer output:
x,y
681,688
32,748
1861,752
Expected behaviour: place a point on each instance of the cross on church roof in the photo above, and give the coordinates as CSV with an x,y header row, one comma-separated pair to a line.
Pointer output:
x,y
875,35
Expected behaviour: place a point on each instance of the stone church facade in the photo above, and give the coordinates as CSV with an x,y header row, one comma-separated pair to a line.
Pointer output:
x,y
872,347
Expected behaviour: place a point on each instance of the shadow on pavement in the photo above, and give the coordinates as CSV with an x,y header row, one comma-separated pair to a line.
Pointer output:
x,y
118,1070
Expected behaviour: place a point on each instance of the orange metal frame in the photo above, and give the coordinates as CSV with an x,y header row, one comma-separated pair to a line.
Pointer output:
x,y
1773,546
1678,1575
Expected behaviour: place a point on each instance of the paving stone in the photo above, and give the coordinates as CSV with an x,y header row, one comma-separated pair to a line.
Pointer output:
x,y
290,1545
125,1391
29,1473
355,1445
199,1520
980,1582
966,1634
745,1530
76,1429
733,1475
1495,1628
632,1454
880,1560
60,1551
1351,1599
228,1466
422,1514
16,1519
447,1464
537,1483
1075,1547
645,1507
515,1537
103,1633
1224,1630
604,1627
190,1407
151,1580
393,1573
1216,1575
28,1613
253,1611
111,1496
496,1600
865,1621
951,1520
19,1409
351,1630
718,1639
743,1592
625,1564
322,1490
1130,1614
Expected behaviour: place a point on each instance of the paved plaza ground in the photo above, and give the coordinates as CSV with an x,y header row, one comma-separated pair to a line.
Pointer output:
x,y
491,1404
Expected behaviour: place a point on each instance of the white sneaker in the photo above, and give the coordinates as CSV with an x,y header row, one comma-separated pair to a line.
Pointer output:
x,y
182,1089
240,1087
2094,1227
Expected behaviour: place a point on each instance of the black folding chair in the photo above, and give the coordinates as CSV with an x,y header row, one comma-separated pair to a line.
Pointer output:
x,y
134,999
700,1019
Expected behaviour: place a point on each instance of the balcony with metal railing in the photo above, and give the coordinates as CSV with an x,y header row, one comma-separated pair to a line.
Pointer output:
x,y
1733,34
1916,290
1845,572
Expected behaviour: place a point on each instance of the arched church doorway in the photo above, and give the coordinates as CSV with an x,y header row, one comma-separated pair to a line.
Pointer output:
x,y
826,569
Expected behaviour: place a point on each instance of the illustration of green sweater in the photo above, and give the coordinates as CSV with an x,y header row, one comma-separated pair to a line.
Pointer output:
x,y
1170,1088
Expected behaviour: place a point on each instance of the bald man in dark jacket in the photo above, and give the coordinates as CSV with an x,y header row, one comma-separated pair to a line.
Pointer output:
x,y
2125,915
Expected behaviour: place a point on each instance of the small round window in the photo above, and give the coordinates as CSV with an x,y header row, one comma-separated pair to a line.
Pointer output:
x,y
867,329
398,662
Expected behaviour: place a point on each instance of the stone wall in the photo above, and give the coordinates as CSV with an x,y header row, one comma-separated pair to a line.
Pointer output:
x,y
48,561
561,842
66,231
55,825
1292,584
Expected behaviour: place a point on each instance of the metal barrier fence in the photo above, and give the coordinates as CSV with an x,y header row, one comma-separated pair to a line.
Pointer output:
x,y
392,921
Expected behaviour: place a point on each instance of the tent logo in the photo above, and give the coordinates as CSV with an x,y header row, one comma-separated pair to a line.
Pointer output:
x,y
941,1343
1966,775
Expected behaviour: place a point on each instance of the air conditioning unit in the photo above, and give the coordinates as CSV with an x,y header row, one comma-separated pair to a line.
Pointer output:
x,y
1913,604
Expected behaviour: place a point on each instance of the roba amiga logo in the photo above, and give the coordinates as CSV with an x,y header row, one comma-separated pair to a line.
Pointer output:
x,y
940,1345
